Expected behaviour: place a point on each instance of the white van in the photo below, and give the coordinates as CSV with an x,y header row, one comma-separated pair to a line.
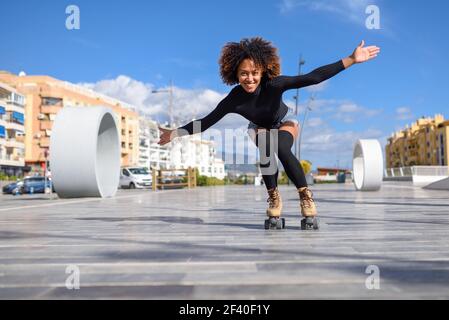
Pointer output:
x,y
135,177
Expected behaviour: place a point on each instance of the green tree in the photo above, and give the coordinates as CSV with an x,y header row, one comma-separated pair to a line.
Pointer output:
x,y
204,181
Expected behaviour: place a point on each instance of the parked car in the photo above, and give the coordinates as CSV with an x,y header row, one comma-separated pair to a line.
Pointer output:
x,y
13,188
170,180
36,185
135,177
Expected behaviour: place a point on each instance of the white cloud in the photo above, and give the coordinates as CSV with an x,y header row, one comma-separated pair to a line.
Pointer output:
x,y
315,122
404,113
353,10
349,108
341,110
187,104
324,146
349,112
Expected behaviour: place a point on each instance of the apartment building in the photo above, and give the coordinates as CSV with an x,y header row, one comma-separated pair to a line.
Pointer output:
x,y
12,131
423,143
192,151
45,96
152,155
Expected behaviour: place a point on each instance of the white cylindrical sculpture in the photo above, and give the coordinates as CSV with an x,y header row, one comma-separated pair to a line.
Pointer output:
x,y
368,165
85,153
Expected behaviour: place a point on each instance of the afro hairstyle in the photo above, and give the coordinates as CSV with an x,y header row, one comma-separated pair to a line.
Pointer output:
x,y
262,52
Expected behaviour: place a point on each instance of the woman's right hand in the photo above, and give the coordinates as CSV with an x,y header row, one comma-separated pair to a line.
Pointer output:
x,y
166,136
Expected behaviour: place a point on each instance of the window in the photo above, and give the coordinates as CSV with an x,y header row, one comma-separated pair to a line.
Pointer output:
x,y
2,132
139,171
18,117
48,101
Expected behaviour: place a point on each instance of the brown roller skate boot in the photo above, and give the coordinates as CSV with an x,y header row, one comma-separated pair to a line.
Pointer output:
x,y
308,209
274,210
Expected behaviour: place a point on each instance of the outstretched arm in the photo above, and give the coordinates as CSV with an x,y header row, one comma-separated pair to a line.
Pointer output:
x,y
326,72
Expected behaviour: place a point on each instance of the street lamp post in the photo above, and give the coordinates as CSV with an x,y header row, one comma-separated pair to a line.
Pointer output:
x,y
301,63
308,108
170,103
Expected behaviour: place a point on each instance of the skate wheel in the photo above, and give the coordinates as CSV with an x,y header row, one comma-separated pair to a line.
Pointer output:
x,y
310,224
279,224
316,224
267,224
303,224
274,224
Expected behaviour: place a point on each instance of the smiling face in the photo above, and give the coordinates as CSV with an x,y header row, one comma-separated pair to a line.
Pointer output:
x,y
249,75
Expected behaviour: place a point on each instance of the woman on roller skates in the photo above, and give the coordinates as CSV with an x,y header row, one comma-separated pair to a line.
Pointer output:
x,y
254,65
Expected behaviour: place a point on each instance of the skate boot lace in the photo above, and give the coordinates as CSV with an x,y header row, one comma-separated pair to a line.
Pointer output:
x,y
273,198
306,198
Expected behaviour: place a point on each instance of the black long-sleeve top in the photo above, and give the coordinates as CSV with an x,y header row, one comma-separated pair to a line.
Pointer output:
x,y
264,107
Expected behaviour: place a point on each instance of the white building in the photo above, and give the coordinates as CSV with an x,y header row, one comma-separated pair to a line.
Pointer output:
x,y
12,131
182,153
144,143
151,154
192,151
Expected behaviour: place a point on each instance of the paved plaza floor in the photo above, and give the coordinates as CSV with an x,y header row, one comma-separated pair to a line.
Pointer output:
x,y
210,243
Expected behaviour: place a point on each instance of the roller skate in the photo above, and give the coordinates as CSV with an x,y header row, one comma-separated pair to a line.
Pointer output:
x,y
274,211
308,210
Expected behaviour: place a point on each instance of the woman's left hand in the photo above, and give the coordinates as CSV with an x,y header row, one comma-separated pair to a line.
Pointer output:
x,y
362,54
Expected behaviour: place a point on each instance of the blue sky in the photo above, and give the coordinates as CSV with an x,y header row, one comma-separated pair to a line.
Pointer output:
x,y
127,48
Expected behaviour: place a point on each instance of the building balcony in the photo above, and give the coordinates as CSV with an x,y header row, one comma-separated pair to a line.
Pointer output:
x,y
44,142
46,124
14,161
13,143
14,108
53,109
14,126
